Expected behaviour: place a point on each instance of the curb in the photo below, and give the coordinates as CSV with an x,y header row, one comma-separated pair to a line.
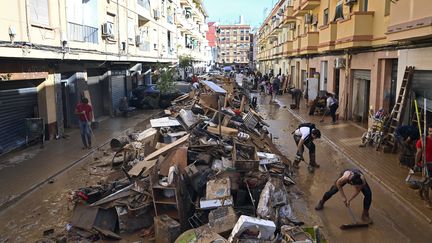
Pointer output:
x,y
11,202
405,202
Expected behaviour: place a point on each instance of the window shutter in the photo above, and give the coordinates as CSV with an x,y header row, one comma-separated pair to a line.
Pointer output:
x,y
39,13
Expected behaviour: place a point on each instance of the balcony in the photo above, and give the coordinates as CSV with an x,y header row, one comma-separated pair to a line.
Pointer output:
x,y
297,11
357,31
296,45
187,3
82,33
287,49
413,20
288,17
309,4
327,37
309,43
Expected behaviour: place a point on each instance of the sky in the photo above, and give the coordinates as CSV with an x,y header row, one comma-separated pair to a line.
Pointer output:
x,y
228,11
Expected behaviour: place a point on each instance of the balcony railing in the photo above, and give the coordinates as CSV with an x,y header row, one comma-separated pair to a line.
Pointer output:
x,y
355,31
144,46
82,33
309,43
327,37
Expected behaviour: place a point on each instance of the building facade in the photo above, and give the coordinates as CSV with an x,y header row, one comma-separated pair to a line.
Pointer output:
x,y
357,49
233,42
211,38
55,52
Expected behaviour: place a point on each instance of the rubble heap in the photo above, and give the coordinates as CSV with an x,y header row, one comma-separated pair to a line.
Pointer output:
x,y
205,171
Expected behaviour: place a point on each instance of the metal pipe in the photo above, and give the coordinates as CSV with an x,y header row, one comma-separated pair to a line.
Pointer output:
x,y
27,21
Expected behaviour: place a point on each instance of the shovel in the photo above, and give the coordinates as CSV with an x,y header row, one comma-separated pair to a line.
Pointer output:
x,y
355,224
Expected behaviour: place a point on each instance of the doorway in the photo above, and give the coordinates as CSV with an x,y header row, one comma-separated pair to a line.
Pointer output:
x,y
336,82
360,101
323,76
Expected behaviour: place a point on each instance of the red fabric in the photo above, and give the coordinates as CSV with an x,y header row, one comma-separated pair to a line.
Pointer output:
x,y
428,148
194,79
84,107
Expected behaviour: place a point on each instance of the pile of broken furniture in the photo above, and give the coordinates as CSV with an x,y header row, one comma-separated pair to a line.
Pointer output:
x,y
205,171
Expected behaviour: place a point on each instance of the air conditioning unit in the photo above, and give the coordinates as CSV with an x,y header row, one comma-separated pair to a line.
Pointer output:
x,y
292,26
339,63
156,14
281,11
138,40
350,2
108,29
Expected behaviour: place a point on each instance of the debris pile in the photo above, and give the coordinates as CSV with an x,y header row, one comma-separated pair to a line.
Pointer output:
x,y
205,171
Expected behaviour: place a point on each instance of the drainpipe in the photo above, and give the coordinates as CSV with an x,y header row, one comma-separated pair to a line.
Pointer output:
x,y
347,57
27,21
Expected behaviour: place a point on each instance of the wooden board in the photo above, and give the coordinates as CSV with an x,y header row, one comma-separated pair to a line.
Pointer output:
x,y
227,131
145,164
177,157
167,147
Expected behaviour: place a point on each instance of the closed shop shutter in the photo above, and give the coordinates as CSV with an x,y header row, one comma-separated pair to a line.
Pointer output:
x,y
422,86
15,106
95,89
362,74
118,91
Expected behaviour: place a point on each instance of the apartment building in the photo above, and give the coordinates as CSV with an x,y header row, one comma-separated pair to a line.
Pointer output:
x,y
233,43
54,52
211,38
357,49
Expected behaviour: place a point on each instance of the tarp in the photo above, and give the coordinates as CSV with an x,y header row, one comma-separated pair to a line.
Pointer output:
x,y
227,69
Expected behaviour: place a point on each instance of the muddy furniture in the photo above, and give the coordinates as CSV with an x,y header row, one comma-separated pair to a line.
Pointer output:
x,y
167,200
245,157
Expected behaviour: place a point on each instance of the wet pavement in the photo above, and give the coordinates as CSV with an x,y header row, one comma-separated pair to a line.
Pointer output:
x,y
398,213
24,170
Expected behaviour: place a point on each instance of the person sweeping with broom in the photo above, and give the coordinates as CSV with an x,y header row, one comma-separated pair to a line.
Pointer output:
x,y
85,115
355,178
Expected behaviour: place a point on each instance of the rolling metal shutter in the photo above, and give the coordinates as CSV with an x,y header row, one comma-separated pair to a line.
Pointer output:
x,y
15,106
118,91
362,74
422,86
95,89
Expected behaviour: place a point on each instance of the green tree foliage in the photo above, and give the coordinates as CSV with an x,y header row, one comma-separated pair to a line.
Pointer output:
x,y
165,83
184,63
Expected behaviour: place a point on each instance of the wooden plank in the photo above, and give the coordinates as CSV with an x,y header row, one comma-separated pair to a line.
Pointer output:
x,y
177,157
145,164
167,147
227,131
242,103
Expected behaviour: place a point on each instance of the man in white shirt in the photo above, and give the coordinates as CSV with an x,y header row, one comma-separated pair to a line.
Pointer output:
x,y
304,136
332,105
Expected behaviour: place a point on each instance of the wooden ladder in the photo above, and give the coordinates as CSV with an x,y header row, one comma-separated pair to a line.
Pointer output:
x,y
397,114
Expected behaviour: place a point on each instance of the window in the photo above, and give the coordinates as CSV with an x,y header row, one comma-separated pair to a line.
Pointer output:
x,y
163,8
387,8
241,31
339,11
364,6
325,16
234,32
144,3
241,38
39,13
234,38
247,38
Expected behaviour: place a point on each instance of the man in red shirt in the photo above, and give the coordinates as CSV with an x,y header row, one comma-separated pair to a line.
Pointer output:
x,y
85,116
428,152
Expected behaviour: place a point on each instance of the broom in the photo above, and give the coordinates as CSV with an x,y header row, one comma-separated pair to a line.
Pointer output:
x,y
355,224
